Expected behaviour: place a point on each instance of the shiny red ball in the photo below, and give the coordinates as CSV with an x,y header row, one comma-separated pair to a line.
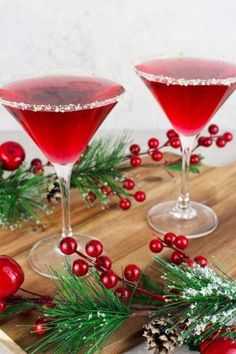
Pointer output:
x,y
169,238
202,261
68,245
153,143
171,133
177,257
40,327
106,190
12,155
228,137
219,345
195,159
109,279
175,143
140,196
156,246
206,142
221,142
80,267
123,293
103,263
188,261
200,140
3,305
90,197
94,248
181,242
128,184
36,166
135,161
134,149
213,129
132,272
11,277
125,204
157,155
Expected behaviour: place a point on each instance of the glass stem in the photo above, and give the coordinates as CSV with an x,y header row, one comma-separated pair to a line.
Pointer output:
x,y
64,177
183,202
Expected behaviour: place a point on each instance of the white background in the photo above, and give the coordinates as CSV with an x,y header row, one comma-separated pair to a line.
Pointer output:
x,y
110,36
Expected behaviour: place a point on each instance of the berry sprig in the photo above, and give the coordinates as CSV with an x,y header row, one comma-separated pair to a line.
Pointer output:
x,y
177,244
95,258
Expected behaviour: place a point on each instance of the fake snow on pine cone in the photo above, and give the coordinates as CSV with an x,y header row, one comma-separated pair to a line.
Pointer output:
x,y
160,336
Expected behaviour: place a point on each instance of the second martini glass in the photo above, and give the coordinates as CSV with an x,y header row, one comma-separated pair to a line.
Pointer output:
x,y
190,91
61,113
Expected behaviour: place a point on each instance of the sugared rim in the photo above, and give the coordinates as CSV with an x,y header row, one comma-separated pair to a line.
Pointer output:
x,y
59,108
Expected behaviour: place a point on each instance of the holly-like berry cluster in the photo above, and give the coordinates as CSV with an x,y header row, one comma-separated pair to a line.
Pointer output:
x,y
177,244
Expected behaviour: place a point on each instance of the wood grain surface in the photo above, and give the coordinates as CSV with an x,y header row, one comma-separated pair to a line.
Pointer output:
x,y
126,235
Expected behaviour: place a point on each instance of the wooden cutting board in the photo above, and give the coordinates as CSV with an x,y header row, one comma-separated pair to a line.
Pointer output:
x,y
126,235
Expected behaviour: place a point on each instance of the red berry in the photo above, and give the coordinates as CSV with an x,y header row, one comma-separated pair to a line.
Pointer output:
x,y
134,149
157,155
36,166
169,238
109,279
40,327
218,345
3,305
153,143
132,272
171,134
181,242
12,155
123,293
188,261
202,261
156,246
177,257
200,140
228,136
128,184
195,159
140,196
68,245
80,267
135,161
94,248
125,204
106,190
206,142
175,143
103,262
11,277
90,197
213,129
220,142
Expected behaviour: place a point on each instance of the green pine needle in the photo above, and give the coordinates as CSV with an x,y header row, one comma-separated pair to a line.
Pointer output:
x,y
85,316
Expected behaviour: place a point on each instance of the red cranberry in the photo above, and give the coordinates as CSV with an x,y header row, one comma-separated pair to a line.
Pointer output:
x,y
109,279
206,142
128,184
40,327
156,246
169,238
213,129
103,263
106,190
157,155
175,143
12,155
68,245
195,159
135,161
11,277
202,261
94,248
140,196
132,272
134,149
171,133
220,142
181,242
177,257
80,267
123,293
125,204
228,136
153,143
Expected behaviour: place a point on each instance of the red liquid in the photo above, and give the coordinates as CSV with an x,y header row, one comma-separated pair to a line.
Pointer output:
x,y
190,107
61,136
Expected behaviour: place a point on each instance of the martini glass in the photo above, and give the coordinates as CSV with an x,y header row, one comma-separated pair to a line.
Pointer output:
x,y
190,91
61,113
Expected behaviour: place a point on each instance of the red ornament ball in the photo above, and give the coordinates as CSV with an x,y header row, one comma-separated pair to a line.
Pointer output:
x,y
221,142
123,293
103,263
213,129
169,238
195,159
11,277
135,161
206,142
90,197
134,149
12,155
3,305
157,155
40,327
156,246
125,204
140,196
153,143
36,166
177,257
200,140
171,133
109,279
181,242
128,184
80,267
68,245
202,261
132,272
106,190
175,143
94,248
219,345
228,137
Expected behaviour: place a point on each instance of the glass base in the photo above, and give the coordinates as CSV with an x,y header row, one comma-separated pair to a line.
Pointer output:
x,y
197,221
45,254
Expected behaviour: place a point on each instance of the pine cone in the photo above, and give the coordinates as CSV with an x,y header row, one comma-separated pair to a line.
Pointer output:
x,y
161,336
